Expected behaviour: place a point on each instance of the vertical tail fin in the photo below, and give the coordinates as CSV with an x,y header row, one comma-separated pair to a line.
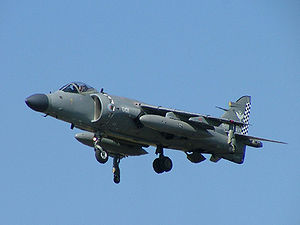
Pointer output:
x,y
240,111
246,117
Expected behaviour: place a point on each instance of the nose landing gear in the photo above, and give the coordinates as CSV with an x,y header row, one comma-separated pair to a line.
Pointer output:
x,y
116,169
102,157
100,154
116,161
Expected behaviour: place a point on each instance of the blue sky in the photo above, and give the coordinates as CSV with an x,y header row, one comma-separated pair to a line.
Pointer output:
x,y
192,56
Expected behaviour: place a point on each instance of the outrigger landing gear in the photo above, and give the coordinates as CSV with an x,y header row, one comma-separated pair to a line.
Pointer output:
x,y
116,169
231,141
162,163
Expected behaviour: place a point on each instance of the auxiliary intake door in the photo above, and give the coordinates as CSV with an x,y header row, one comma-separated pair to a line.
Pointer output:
x,y
97,108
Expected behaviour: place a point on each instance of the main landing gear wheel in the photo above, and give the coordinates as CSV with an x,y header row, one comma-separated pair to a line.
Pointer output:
x,y
167,164
162,163
116,170
157,167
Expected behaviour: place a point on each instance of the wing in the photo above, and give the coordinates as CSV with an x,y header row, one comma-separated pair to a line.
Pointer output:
x,y
158,110
204,120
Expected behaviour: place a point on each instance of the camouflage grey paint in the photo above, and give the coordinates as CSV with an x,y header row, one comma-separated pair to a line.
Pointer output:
x,y
126,126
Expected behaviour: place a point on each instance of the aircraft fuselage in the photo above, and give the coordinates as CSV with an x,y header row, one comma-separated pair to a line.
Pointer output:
x,y
119,127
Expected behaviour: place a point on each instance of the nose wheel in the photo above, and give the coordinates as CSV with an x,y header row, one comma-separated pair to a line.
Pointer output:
x,y
162,163
100,154
102,157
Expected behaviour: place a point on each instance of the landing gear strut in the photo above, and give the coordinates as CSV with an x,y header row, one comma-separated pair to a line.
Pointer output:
x,y
100,154
162,163
116,169
102,157
231,141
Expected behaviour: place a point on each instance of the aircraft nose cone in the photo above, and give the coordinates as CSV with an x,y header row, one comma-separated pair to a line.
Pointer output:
x,y
38,102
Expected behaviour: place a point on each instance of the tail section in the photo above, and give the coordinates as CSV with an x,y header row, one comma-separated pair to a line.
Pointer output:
x,y
237,133
240,111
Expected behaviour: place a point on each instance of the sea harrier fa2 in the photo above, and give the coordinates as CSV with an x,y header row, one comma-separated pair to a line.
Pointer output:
x,y
118,127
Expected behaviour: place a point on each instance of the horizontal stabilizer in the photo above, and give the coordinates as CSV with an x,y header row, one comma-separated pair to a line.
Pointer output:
x,y
249,138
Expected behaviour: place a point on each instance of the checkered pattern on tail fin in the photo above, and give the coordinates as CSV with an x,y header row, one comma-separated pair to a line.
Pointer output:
x,y
239,111
246,118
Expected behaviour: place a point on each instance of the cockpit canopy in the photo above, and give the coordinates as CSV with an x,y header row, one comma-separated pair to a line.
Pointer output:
x,y
77,87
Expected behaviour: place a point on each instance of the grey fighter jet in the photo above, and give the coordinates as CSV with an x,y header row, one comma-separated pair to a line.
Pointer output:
x,y
118,127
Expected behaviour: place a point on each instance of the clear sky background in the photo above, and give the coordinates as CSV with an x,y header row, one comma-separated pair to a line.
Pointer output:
x,y
188,55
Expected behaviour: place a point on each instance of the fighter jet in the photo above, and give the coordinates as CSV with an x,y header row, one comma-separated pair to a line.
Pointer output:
x,y
118,127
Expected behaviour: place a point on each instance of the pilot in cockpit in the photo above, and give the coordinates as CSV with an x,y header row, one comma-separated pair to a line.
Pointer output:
x,y
77,87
